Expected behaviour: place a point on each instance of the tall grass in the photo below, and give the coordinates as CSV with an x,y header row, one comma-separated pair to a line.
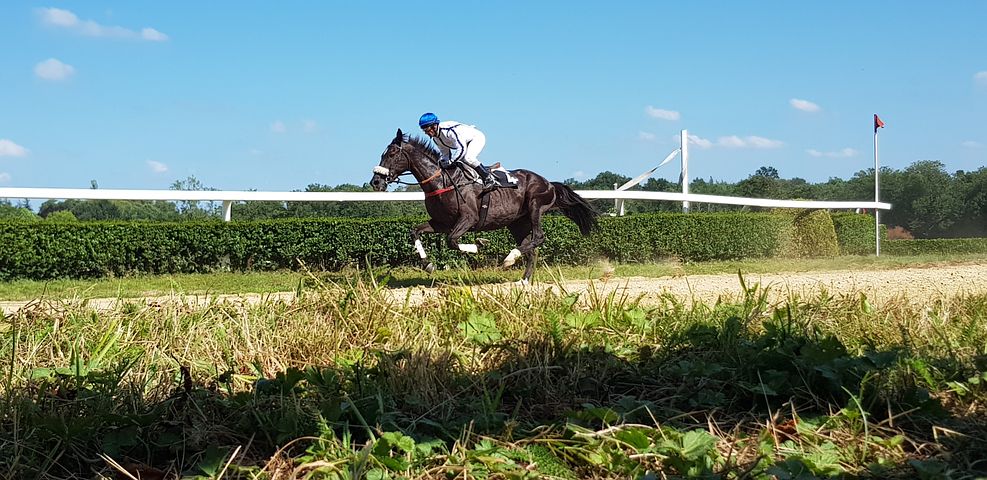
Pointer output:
x,y
347,381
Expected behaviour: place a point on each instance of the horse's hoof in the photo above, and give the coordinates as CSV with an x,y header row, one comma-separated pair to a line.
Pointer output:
x,y
512,258
522,282
430,267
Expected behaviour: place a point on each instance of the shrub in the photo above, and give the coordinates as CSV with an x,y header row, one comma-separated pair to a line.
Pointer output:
x,y
814,235
45,250
855,233
938,246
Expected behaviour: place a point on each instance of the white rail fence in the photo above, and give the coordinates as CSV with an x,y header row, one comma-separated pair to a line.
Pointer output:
x,y
229,197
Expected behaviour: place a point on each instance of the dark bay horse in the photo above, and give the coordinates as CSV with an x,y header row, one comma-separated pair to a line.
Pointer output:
x,y
453,204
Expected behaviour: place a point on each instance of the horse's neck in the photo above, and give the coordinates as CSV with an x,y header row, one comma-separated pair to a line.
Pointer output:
x,y
423,168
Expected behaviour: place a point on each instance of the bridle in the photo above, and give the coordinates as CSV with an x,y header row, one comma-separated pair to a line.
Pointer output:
x,y
392,178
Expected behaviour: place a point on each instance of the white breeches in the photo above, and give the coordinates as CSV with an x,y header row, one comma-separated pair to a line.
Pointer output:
x,y
473,149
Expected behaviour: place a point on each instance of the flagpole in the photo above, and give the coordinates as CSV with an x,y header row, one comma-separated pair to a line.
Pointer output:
x,y
877,192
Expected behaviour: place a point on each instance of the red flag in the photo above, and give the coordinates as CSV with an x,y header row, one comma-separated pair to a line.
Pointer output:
x,y
877,123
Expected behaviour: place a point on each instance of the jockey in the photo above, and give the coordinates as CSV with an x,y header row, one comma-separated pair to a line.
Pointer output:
x,y
465,139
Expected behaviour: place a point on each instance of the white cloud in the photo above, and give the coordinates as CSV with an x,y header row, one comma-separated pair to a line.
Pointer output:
x,y
54,70
751,141
981,77
255,152
60,18
844,153
761,142
646,136
11,149
972,144
579,175
157,167
731,141
662,114
309,126
153,35
278,127
4,177
699,141
804,105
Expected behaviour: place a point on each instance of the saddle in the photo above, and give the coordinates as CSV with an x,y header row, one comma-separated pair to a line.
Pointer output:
x,y
501,175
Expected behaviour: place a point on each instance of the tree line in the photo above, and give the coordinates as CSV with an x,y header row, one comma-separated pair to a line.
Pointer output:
x,y
927,201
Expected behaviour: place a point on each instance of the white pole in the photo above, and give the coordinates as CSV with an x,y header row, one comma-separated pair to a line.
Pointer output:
x,y
877,191
685,168
618,204
227,210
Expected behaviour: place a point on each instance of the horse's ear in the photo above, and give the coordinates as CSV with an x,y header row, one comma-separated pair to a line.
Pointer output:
x,y
399,137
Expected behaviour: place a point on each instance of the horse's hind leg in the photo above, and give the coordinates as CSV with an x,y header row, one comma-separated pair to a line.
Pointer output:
x,y
521,230
416,238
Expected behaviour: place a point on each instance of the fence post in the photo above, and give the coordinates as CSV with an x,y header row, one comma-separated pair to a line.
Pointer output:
x,y
227,210
618,203
684,138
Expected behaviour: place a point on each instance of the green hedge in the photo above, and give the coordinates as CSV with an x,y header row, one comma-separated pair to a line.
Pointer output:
x,y
855,233
46,250
938,246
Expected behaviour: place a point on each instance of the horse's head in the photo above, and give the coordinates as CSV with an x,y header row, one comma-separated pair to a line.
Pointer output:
x,y
393,162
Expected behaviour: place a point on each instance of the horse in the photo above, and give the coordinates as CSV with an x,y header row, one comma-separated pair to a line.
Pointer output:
x,y
453,200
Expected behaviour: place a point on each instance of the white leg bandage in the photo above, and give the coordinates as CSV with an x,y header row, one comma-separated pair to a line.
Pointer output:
x,y
467,247
420,249
512,257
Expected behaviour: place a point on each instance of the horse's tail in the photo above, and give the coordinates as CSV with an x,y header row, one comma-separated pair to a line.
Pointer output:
x,y
575,207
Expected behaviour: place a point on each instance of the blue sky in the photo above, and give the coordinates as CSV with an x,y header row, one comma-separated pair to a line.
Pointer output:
x,y
277,95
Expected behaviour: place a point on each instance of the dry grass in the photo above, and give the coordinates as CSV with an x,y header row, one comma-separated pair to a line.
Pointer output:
x,y
596,386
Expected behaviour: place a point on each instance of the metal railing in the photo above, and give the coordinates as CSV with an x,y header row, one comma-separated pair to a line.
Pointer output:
x,y
228,197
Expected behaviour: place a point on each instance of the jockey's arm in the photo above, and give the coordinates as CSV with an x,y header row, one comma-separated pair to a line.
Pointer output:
x,y
444,155
458,144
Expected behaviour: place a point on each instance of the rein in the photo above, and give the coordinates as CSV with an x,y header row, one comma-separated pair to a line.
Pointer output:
x,y
438,172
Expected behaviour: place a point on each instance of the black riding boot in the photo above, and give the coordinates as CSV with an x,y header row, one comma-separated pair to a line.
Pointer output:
x,y
489,182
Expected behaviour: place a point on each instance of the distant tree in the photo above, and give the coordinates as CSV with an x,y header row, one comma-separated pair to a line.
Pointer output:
x,y
82,209
194,210
795,188
61,216
929,200
9,211
769,172
602,181
764,183
972,189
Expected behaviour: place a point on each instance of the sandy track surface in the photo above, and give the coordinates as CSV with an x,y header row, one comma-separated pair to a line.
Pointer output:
x,y
910,284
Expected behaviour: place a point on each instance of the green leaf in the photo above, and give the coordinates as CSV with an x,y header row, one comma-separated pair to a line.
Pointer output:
x,y
582,320
481,328
212,460
697,443
634,437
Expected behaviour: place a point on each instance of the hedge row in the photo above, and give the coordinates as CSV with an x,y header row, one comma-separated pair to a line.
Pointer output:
x,y
938,246
855,233
43,250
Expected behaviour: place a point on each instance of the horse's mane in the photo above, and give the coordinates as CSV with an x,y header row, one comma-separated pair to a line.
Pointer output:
x,y
425,145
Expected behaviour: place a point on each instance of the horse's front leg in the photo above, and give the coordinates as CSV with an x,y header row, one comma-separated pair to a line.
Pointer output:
x,y
463,225
416,238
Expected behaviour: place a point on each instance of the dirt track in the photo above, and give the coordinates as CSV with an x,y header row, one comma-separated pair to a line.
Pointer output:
x,y
911,284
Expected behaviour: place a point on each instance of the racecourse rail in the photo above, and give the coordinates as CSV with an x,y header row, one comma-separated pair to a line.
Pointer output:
x,y
228,197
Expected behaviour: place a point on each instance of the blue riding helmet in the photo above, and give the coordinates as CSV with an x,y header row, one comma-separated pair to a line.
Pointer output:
x,y
428,119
